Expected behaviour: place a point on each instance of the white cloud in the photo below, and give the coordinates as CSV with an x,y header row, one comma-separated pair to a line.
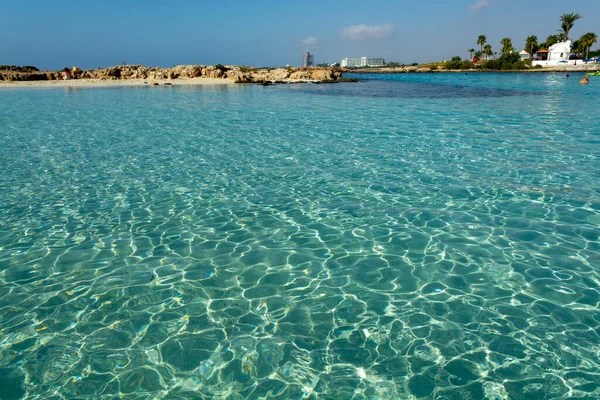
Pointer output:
x,y
479,5
309,41
365,32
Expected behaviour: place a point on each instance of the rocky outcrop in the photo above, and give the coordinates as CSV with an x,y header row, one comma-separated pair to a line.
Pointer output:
x,y
284,75
237,74
14,76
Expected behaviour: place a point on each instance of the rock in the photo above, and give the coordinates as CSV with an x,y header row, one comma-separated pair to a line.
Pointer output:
x,y
235,74
22,76
212,72
240,77
188,71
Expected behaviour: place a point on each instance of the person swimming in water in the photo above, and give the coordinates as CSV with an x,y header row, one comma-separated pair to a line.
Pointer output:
x,y
585,80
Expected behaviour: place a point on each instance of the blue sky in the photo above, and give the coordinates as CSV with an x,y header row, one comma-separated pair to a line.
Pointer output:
x,y
90,33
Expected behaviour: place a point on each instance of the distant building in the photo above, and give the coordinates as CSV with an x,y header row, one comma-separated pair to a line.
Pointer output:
x,y
558,53
362,62
308,60
524,55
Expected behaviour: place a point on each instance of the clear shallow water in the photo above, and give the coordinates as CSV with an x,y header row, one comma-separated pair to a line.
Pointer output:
x,y
409,236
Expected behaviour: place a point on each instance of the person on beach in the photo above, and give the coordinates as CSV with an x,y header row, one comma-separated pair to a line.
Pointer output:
x,y
65,74
585,80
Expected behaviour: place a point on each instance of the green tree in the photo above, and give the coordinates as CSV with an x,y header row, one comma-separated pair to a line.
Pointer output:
x,y
507,61
487,50
586,41
552,40
577,47
481,40
506,45
471,51
458,63
531,44
567,22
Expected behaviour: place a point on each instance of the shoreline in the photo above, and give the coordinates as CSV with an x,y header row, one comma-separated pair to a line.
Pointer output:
x,y
208,81
99,83
81,83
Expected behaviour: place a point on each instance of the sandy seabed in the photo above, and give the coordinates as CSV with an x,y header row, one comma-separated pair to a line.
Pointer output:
x,y
123,82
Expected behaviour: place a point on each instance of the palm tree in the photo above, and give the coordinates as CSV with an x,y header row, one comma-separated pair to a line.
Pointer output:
x,y
587,41
530,44
471,51
506,45
487,50
568,20
481,40
578,47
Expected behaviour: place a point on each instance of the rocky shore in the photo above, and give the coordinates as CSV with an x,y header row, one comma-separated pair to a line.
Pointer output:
x,y
233,74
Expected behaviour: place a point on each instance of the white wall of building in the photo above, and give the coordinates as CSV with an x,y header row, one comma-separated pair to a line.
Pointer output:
x,y
557,62
558,54
362,62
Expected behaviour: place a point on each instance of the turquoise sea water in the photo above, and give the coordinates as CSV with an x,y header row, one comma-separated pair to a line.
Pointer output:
x,y
408,236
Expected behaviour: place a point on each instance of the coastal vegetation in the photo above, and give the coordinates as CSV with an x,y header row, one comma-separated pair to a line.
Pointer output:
x,y
585,42
531,44
481,40
14,68
485,57
487,50
509,60
394,64
507,46
567,22
458,63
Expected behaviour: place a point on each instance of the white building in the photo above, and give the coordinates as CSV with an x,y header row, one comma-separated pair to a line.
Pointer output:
x,y
557,54
362,62
524,55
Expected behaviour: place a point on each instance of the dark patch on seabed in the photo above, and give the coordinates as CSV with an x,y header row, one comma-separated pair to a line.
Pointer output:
x,y
409,90
11,384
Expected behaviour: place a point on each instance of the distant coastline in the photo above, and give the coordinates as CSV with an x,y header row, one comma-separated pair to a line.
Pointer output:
x,y
139,75
429,69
